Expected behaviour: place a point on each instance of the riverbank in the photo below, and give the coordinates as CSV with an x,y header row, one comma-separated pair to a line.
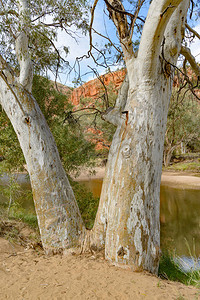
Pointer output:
x,y
27,273
174,179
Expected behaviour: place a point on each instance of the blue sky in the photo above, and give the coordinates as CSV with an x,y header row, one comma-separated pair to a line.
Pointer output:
x,y
105,26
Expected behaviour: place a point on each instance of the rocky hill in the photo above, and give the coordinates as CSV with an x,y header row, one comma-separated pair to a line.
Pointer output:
x,y
93,88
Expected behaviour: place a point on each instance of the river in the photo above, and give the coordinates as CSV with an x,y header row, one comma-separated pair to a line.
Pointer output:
x,y
179,217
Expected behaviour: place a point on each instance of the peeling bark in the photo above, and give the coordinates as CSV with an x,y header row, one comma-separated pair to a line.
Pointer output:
x,y
127,222
59,219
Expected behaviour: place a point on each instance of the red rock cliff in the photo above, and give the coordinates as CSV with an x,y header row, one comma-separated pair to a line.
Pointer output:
x,y
93,88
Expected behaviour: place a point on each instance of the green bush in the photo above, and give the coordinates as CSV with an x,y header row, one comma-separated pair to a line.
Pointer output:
x,y
87,203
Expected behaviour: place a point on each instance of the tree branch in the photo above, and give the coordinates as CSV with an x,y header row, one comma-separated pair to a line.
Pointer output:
x,y
91,23
22,50
192,30
106,101
113,115
118,15
133,20
107,38
185,51
158,17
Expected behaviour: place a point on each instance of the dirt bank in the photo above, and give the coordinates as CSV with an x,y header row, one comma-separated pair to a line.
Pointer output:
x,y
29,274
181,180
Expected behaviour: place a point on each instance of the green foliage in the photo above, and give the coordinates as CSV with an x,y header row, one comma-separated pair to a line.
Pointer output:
x,y
183,123
87,203
42,33
183,119
10,151
188,166
170,270
18,213
74,149
12,191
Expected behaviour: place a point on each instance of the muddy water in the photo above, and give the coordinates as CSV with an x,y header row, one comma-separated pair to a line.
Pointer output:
x,y
179,216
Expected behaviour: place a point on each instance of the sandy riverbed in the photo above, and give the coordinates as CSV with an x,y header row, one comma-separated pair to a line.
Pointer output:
x,y
27,274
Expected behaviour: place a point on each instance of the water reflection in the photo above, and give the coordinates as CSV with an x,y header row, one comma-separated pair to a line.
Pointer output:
x,y
179,216
94,185
180,220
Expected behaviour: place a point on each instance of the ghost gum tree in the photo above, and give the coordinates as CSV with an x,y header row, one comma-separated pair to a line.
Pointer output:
x,y
127,222
58,215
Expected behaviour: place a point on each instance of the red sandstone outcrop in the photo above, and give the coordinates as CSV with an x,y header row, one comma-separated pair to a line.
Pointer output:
x,y
93,88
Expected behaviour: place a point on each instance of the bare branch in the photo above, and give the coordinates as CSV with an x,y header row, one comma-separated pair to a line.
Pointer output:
x,y
192,30
91,23
106,101
44,14
133,20
107,38
185,51
119,17
87,108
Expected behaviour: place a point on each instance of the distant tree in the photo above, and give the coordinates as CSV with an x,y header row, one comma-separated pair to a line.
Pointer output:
x,y
183,123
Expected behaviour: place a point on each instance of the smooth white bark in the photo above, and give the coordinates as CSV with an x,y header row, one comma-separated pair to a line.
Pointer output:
x,y
58,215
127,222
21,47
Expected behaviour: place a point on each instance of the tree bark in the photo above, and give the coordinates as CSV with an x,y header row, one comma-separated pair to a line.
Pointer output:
x,y
59,219
127,222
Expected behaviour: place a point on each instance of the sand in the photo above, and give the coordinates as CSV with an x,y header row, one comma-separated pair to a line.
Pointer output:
x,y
27,274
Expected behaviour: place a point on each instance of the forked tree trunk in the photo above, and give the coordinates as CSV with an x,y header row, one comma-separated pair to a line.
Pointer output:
x,y
58,215
127,222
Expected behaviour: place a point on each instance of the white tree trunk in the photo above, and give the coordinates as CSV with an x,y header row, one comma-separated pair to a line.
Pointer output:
x,y
58,215
128,217
127,222
59,219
